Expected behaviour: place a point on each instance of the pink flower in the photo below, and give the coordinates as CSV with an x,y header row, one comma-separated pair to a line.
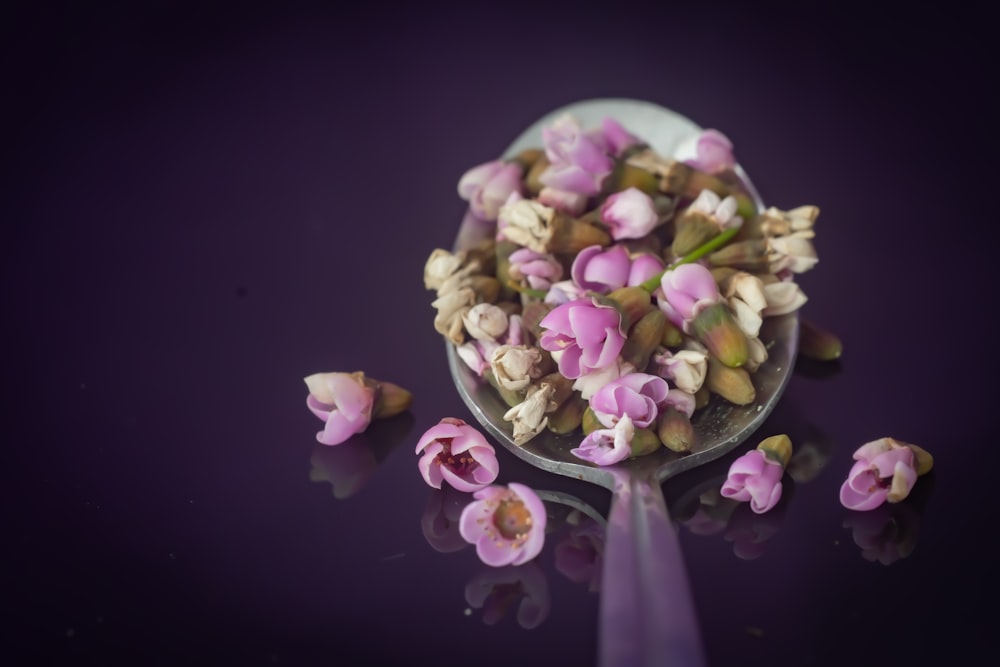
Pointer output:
x,y
754,477
571,203
601,270
614,137
584,335
487,187
885,469
456,453
687,290
343,401
507,524
713,152
645,265
578,163
606,446
539,270
637,395
629,214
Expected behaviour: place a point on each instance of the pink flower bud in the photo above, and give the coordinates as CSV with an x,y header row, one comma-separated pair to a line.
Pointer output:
x,y
637,395
754,477
601,270
584,335
456,453
343,401
687,290
885,469
577,162
488,186
629,214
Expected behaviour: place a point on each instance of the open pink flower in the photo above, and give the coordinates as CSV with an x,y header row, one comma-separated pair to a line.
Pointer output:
x,y
577,163
583,335
606,446
458,454
629,214
637,395
885,469
343,401
507,524
601,270
486,187
687,290
754,477
539,270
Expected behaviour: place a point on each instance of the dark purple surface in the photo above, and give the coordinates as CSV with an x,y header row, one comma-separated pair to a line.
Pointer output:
x,y
206,204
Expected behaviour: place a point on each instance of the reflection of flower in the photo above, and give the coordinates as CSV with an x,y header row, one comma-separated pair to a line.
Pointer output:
x,y
580,555
456,453
749,530
886,534
712,514
507,524
439,521
885,470
348,466
496,590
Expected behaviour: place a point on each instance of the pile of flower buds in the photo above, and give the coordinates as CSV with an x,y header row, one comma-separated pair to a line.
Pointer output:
x,y
617,289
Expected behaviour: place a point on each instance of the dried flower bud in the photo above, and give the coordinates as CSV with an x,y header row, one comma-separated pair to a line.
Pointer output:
x,y
485,321
774,222
515,366
644,441
451,308
529,416
745,255
643,338
543,229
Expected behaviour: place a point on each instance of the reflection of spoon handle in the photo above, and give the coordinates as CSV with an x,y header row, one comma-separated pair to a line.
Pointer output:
x,y
647,612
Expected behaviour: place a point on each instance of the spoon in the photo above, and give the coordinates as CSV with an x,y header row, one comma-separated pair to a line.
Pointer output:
x,y
647,612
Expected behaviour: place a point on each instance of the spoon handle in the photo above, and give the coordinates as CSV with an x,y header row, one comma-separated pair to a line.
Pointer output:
x,y
647,614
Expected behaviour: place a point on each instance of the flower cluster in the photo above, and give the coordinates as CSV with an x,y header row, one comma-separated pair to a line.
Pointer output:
x,y
619,289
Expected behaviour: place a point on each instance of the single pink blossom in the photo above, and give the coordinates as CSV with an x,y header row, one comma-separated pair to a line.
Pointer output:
x,y
605,446
686,291
456,453
488,186
577,163
539,270
584,334
601,270
754,477
507,524
713,152
637,395
884,470
629,214
645,265
613,136
343,401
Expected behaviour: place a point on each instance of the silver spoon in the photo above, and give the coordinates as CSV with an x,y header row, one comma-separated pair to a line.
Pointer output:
x,y
647,613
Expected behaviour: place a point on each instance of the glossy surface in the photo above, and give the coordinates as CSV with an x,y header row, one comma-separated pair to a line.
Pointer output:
x,y
206,205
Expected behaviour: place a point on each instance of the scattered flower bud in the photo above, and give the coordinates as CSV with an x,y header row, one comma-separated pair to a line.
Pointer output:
x,y
885,470
817,343
343,401
454,452
506,524
756,476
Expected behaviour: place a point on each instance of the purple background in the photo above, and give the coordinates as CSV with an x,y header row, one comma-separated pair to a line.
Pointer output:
x,y
206,203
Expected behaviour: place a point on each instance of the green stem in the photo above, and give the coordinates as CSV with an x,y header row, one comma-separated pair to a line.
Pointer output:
x,y
517,287
696,254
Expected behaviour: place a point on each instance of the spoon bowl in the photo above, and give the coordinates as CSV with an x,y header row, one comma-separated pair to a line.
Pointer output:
x,y
647,611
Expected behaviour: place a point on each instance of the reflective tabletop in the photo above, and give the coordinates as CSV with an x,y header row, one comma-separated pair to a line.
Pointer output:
x,y
206,204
